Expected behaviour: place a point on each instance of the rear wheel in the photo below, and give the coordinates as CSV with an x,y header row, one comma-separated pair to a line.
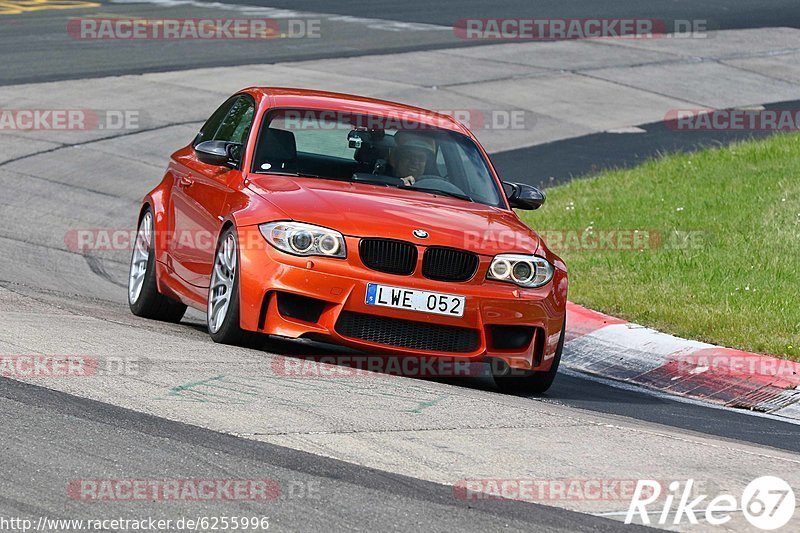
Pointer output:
x,y
530,382
223,294
143,296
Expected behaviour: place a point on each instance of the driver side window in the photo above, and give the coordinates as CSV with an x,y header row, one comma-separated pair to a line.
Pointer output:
x,y
236,124
211,126
230,122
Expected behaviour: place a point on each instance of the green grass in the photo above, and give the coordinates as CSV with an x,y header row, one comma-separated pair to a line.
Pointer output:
x,y
737,281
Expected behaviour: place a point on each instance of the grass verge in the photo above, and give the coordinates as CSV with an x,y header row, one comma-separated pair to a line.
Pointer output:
x,y
704,246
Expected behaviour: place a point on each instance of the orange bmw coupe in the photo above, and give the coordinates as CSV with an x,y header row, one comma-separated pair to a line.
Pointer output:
x,y
362,222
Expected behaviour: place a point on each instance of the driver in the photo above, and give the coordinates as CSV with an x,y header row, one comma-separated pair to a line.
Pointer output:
x,y
410,157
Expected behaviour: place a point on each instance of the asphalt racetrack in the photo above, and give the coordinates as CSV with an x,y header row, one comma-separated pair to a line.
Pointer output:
x,y
369,453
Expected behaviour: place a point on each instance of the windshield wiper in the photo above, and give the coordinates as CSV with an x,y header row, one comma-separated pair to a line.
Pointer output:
x,y
443,193
302,175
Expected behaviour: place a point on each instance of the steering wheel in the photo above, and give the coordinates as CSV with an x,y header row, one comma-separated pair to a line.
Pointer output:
x,y
436,182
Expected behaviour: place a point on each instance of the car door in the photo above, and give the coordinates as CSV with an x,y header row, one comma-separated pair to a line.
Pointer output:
x,y
200,190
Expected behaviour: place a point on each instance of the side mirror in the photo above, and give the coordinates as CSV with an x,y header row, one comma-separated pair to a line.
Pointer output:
x,y
523,196
219,153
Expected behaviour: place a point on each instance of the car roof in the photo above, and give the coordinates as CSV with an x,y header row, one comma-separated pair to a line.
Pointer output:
x,y
288,97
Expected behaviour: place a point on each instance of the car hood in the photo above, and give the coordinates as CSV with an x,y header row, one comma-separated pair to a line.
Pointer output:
x,y
362,210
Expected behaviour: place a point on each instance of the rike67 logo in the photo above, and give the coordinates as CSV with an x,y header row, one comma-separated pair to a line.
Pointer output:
x,y
767,503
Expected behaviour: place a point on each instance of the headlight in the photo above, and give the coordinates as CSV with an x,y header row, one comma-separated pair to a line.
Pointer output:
x,y
524,270
298,238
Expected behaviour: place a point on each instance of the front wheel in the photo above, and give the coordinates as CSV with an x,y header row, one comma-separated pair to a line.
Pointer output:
x,y
531,382
143,296
223,294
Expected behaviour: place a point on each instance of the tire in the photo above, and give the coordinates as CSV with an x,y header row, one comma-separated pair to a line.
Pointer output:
x,y
143,296
531,382
222,308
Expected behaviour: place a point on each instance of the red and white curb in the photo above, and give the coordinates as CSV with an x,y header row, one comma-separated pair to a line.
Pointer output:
x,y
616,349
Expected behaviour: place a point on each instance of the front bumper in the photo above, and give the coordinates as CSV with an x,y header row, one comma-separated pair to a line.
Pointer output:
x,y
338,289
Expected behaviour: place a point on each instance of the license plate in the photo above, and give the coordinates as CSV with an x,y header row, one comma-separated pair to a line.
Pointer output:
x,y
414,300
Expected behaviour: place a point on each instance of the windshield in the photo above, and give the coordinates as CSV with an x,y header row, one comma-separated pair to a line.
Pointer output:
x,y
392,152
